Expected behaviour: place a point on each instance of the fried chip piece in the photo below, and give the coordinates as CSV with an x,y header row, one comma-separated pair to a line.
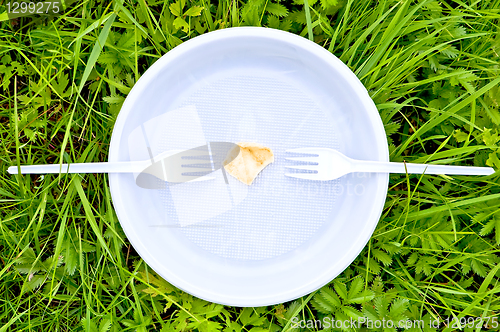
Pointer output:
x,y
251,160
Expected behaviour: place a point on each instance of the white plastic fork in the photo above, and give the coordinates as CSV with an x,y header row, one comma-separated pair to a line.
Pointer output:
x,y
332,164
104,167
144,166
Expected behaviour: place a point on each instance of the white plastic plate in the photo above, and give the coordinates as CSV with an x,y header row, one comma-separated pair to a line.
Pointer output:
x,y
280,238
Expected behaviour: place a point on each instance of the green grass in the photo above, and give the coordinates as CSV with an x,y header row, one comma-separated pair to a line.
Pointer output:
x,y
430,66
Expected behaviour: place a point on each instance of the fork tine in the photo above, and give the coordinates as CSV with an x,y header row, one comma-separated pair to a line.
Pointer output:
x,y
191,168
200,156
179,177
198,165
305,176
195,152
303,150
196,173
196,170
309,159
304,167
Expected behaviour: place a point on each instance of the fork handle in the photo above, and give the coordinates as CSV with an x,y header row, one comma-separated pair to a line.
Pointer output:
x,y
104,167
391,167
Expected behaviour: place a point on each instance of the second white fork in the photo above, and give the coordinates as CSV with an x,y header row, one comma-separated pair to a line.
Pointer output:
x,y
332,164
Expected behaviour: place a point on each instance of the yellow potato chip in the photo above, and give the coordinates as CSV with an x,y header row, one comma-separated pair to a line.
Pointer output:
x,y
251,160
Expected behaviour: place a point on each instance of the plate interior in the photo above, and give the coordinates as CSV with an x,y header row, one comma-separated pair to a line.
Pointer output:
x,y
279,238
